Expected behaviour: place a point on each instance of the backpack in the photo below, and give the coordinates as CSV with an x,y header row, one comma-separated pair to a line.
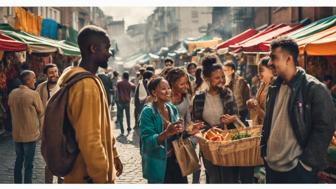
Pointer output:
x,y
59,147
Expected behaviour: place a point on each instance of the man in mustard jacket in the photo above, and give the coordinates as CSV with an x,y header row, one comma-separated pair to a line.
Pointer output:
x,y
98,160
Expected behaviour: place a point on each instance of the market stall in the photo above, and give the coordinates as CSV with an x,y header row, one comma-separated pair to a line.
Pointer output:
x,y
238,38
9,44
202,44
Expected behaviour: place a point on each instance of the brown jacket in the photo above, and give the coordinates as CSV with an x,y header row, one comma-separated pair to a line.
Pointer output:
x,y
26,110
43,91
261,99
88,113
241,91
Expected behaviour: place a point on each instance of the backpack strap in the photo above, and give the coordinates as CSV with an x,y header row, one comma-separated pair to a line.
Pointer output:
x,y
76,78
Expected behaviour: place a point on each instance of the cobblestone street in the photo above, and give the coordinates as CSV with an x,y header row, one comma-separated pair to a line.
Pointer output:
x,y
128,148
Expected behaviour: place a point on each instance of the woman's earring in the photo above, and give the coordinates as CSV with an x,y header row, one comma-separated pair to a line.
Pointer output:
x,y
155,99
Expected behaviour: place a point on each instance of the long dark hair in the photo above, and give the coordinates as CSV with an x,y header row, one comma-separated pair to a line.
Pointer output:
x,y
199,79
174,75
153,84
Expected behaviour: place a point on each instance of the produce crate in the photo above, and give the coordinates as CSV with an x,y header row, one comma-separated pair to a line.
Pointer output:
x,y
240,152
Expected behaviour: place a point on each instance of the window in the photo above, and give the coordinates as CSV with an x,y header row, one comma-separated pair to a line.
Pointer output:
x,y
276,9
41,11
10,11
75,20
194,14
51,13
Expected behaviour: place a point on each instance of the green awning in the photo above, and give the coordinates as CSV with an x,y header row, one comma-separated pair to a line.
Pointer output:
x,y
314,27
202,38
39,44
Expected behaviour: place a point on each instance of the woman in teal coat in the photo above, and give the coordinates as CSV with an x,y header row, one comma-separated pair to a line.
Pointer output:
x,y
159,126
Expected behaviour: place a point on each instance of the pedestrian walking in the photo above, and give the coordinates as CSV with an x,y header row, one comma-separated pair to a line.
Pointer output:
x,y
299,121
26,109
141,94
124,89
114,81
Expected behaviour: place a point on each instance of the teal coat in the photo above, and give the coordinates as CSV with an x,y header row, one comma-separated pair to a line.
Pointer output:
x,y
153,155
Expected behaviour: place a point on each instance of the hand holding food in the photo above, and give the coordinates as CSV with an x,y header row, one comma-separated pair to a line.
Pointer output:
x,y
252,104
174,128
194,128
228,119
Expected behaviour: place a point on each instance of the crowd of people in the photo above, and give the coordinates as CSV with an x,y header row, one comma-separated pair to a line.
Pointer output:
x,y
295,109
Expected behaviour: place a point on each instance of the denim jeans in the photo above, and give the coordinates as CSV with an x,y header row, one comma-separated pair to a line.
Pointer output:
x,y
120,115
298,175
25,152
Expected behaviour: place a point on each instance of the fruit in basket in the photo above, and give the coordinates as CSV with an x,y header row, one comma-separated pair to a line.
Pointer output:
x,y
210,134
238,136
214,134
217,138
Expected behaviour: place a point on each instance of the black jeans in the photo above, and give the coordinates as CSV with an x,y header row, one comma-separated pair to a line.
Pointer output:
x,y
121,106
25,152
173,172
295,176
243,114
220,174
137,112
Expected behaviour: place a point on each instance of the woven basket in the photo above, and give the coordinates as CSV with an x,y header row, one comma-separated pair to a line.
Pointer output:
x,y
242,152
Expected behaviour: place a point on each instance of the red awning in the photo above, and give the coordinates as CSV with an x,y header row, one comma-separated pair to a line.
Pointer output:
x,y
261,43
238,38
237,47
9,44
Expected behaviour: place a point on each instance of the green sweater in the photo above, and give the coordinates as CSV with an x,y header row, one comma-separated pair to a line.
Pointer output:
x,y
153,155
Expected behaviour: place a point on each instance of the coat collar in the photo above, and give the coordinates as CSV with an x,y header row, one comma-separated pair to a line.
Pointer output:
x,y
294,82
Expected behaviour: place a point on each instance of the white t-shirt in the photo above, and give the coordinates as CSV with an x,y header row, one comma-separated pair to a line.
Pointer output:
x,y
213,109
53,91
142,91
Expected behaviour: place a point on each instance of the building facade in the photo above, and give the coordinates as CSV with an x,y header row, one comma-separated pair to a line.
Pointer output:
x,y
168,25
289,15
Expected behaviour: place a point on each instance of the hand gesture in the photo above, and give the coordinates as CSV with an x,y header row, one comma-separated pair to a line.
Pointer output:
x,y
252,104
228,119
174,128
194,128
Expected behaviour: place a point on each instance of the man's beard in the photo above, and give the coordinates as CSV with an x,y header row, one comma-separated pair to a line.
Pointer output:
x,y
52,82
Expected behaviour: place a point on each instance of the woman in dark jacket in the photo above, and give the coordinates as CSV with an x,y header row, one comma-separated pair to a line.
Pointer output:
x,y
216,108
